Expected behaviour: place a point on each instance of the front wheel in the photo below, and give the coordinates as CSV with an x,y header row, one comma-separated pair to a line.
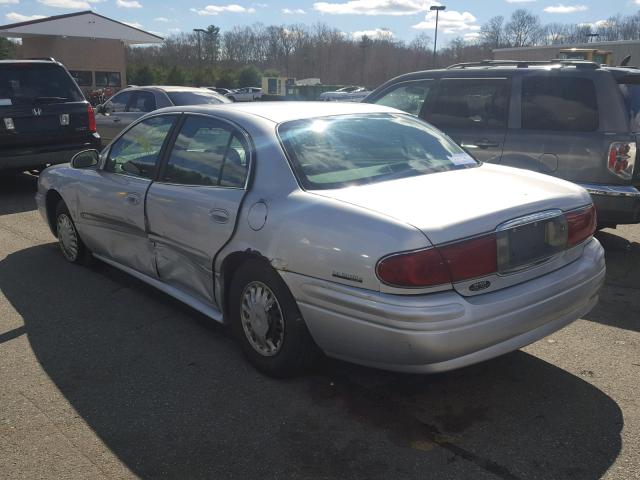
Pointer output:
x,y
267,322
71,245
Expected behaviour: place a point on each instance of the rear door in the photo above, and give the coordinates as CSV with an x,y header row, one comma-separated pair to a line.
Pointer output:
x,y
473,112
192,209
40,104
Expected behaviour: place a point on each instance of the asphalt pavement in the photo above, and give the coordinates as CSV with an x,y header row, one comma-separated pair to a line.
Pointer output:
x,y
101,376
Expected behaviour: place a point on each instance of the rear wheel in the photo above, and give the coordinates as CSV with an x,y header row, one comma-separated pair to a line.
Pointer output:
x,y
267,322
71,245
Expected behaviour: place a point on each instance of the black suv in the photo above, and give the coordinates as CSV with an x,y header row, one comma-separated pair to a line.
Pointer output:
x,y
44,117
575,120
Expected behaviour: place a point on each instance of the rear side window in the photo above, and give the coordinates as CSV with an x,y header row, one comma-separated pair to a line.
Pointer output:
x,y
142,102
559,103
408,97
630,88
476,103
36,83
196,98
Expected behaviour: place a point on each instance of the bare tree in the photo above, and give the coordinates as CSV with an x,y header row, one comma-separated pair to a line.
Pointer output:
x,y
523,29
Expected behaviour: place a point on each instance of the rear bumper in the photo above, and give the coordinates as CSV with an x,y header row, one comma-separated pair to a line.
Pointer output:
x,y
444,331
616,204
25,158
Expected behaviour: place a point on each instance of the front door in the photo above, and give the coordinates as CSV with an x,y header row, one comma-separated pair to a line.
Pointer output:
x,y
111,200
192,209
473,112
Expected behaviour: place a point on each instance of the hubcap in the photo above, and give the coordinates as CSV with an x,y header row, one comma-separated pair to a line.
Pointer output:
x,y
67,237
262,319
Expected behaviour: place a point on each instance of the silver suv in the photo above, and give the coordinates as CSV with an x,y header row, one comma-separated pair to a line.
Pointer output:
x,y
575,120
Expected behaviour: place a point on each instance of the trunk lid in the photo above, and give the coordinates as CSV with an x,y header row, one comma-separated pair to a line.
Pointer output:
x,y
458,204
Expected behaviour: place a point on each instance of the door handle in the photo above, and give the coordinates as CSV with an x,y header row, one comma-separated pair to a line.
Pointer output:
x,y
482,144
132,198
116,120
219,215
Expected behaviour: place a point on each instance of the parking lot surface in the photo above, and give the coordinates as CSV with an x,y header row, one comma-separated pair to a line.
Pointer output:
x,y
102,376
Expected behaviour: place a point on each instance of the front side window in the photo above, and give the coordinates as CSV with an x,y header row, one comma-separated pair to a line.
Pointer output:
x,y
345,150
207,152
118,103
142,102
559,103
138,150
469,103
408,97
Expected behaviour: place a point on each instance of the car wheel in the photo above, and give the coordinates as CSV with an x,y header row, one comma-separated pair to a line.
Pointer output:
x,y
266,320
71,245
233,99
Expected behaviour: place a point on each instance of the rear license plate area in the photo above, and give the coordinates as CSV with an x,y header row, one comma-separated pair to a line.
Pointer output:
x,y
526,245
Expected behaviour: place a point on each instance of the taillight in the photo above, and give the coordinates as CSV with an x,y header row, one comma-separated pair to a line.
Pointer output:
x,y
92,118
422,268
622,159
582,224
436,266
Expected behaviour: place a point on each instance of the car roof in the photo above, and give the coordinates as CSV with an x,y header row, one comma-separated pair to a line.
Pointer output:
x,y
279,112
171,88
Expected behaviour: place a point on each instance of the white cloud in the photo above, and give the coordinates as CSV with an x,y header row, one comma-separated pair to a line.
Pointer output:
x,y
174,30
471,36
128,4
449,21
217,9
293,11
161,19
560,8
375,7
264,5
133,24
69,3
376,34
18,17
7,2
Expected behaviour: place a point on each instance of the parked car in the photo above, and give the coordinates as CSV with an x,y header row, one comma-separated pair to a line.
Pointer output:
x,y
221,91
351,93
132,103
357,228
567,119
44,118
248,94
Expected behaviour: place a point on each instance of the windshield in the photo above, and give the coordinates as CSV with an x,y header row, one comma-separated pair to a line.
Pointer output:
x,y
339,151
631,94
36,83
196,98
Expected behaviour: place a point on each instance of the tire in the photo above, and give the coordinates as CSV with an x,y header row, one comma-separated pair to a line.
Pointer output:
x,y
233,99
71,245
276,341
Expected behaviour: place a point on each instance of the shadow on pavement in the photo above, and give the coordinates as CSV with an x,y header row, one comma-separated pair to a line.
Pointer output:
x,y
619,304
17,192
172,396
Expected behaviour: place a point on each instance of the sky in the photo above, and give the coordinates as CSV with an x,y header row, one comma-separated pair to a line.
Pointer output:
x,y
399,19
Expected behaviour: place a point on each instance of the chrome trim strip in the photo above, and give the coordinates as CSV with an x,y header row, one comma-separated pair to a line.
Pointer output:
x,y
527,219
611,190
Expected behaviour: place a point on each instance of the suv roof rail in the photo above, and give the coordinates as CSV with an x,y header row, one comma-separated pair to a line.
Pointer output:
x,y
526,63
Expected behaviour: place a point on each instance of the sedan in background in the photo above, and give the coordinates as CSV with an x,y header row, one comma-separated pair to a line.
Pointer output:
x,y
130,104
358,230
351,93
248,94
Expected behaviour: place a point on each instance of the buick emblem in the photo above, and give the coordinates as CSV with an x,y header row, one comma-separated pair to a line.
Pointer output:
x,y
476,287
37,112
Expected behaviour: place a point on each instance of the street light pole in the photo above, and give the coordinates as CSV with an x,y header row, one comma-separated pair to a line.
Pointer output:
x,y
438,9
198,31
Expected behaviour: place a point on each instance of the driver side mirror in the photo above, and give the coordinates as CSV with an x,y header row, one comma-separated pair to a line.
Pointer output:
x,y
85,159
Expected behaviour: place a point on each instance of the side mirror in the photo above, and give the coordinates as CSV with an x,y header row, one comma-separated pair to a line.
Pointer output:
x,y
85,159
103,109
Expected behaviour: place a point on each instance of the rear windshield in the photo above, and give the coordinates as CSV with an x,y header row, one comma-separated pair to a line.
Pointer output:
x,y
339,151
30,84
631,93
196,98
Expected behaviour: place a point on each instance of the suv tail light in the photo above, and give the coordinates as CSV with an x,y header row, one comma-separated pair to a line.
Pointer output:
x,y
621,159
582,224
92,119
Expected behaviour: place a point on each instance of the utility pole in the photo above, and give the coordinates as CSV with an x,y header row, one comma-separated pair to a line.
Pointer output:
x,y
198,31
437,9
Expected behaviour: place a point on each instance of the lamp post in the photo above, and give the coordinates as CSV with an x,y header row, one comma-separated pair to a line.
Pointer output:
x,y
198,31
438,9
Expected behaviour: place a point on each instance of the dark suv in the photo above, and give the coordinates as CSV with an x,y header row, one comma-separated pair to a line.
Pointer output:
x,y
44,118
575,120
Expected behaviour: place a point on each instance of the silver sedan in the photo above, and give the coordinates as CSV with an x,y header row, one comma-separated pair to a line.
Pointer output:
x,y
350,229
